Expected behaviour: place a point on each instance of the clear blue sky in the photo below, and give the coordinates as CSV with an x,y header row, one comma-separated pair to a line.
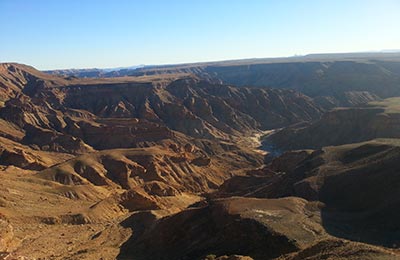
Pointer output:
x,y
53,34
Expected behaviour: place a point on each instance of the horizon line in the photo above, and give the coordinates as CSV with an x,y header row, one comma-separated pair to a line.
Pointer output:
x,y
384,51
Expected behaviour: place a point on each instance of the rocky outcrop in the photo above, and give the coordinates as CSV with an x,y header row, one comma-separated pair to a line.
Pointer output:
x,y
135,200
261,183
16,154
21,159
50,140
6,236
158,171
260,228
18,78
341,126
201,161
113,133
355,183
197,108
160,189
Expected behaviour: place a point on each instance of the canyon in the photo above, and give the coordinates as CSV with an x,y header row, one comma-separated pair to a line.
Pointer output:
x,y
171,162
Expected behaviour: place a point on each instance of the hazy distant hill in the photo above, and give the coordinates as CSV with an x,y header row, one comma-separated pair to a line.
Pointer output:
x,y
93,72
323,57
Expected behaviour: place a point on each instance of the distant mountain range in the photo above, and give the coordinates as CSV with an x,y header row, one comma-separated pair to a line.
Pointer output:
x,y
391,55
93,72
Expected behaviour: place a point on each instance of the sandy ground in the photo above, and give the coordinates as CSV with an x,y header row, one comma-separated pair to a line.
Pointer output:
x,y
254,140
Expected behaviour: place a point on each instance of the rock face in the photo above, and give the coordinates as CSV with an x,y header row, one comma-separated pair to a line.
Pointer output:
x,y
317,79
16,78
342,126
21,159
16,154
333,79
193,107
356,183
77,115
260,228
157,171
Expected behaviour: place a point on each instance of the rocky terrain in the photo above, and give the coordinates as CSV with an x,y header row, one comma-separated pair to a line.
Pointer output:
x,y
166,164
353,186
341,126
332,79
